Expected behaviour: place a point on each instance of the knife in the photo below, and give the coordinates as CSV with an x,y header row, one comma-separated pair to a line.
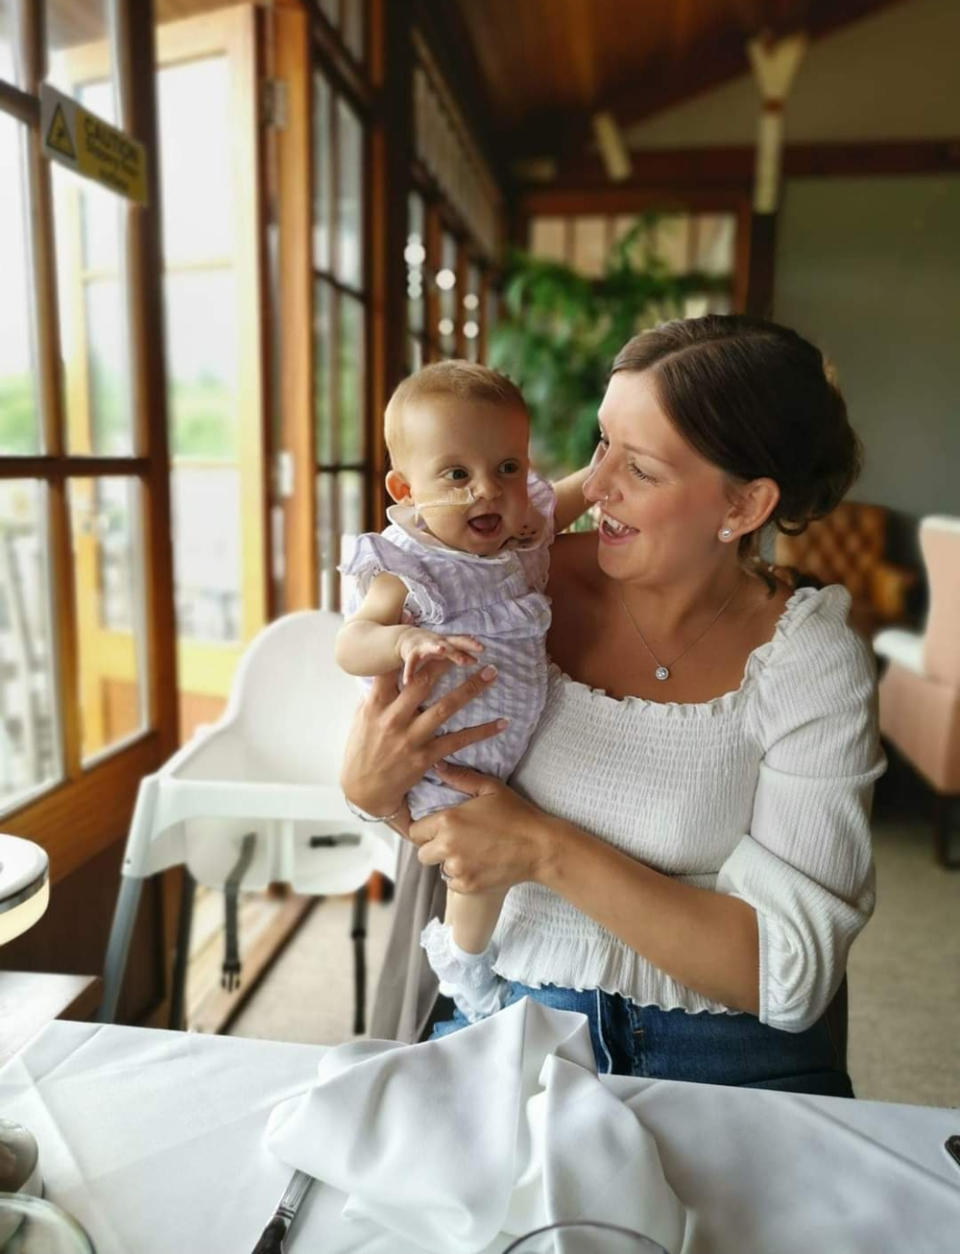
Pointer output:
x,y
273,1238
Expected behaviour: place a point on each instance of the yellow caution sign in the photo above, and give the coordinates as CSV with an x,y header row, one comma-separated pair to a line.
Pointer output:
x,y
92,147
58,136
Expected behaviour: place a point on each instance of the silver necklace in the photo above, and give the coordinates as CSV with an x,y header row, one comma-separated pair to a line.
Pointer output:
x,y
663,670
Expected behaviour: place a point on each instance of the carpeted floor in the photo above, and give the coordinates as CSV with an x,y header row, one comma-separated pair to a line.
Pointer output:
x,y
904,969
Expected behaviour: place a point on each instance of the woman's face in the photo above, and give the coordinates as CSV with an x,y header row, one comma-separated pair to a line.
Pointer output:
x,y
661,503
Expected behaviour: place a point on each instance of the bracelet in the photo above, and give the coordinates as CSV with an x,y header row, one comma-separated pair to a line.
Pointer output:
x,y
371,818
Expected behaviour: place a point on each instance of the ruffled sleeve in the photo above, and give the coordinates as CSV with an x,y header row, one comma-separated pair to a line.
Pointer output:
x,y
374,554
806,864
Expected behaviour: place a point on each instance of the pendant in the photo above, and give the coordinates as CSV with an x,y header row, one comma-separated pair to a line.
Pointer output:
x,y
661,673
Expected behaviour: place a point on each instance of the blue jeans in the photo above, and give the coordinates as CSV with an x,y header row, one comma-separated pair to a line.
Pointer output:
x,y
705,1048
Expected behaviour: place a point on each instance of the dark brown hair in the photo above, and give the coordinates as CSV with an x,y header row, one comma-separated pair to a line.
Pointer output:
x,y
758,401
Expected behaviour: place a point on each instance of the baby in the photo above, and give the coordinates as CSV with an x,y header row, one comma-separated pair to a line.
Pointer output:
x,y
460,573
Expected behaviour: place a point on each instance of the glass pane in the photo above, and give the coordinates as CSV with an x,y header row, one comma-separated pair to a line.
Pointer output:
x,y
111,640
78,43
29,735
492,309
201,317
93,316
351,509
415,254
207,540
107,370
340,519
323,300
354,24
19,403
715,243
672,242
195,160
590,246
328,531
446,281
349,196
351,380
101,227
548,238
9,67
471,313
322,172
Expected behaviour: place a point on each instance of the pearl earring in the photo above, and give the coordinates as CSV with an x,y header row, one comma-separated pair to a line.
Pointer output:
x,y
725,533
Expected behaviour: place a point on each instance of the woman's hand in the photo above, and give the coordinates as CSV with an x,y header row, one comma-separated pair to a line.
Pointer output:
x,y
392,742
491,842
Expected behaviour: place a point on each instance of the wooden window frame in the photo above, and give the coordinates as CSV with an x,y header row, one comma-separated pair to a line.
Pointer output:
x,y
610,202
81,814
347,83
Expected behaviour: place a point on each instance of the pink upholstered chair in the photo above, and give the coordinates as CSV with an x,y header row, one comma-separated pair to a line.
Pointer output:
x,y
920,691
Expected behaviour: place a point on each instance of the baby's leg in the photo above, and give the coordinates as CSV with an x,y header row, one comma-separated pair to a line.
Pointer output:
x,y
461,953
472,918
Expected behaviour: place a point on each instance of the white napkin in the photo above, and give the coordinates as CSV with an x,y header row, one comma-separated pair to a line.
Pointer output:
x,y
501,1127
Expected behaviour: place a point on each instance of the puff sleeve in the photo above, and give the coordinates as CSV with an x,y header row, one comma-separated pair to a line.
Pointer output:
x,y
806,865
373,554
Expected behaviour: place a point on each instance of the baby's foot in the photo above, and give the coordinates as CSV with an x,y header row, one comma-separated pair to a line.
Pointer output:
x,y
468,978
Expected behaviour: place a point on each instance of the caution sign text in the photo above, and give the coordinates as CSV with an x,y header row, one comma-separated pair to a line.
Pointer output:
x,y
90,146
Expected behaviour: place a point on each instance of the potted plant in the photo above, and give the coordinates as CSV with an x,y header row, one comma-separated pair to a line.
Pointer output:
x,y
560,331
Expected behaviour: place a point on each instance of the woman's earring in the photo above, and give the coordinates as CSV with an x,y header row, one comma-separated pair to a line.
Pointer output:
x,y
725,533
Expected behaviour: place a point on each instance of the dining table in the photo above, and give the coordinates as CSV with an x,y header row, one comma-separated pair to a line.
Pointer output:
x,y
156,1141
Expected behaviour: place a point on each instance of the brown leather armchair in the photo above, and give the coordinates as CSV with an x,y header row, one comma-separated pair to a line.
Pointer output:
x,y
847,547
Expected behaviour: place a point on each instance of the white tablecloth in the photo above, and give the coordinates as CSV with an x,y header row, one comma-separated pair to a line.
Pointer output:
x,y
155,1142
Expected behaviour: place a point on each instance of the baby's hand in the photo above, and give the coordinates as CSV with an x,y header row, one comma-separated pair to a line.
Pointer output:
x,y
417,645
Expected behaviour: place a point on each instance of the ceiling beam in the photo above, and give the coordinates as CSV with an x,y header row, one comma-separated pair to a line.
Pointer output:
x,y
727,172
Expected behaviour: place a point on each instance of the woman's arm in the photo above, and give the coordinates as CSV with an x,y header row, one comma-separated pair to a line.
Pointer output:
x,y
571,502
392,741
705,940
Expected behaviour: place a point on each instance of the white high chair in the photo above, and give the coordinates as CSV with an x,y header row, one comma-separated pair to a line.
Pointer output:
x,y
254,799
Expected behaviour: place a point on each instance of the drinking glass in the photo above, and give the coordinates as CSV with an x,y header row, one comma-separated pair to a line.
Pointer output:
x,y
584,1236
30,1225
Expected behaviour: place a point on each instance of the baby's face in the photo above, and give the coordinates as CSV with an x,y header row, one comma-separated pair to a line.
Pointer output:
x,y
465,464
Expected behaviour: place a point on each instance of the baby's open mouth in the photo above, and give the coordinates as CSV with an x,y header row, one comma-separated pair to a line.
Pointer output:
x,y
485,524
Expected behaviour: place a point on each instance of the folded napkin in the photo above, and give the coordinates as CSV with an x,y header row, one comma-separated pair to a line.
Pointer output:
x,y
501,1127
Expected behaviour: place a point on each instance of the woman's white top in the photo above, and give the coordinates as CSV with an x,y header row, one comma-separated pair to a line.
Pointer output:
x,y
763,793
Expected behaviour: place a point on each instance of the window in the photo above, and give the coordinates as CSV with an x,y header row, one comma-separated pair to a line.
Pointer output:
x,y
454,227
340,329
209,138
688,243
82,604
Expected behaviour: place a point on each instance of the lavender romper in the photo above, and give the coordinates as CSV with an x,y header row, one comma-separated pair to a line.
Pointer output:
x,y
500,600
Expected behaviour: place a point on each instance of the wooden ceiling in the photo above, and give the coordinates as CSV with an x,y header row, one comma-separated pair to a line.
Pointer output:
x,y
547,65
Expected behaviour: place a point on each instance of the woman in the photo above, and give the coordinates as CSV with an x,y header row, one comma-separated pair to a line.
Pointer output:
x,y
686,841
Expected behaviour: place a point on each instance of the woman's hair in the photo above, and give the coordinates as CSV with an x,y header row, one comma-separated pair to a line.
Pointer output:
x,y
758,401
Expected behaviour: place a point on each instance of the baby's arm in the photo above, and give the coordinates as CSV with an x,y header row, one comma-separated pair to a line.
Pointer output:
x,y
374,641
571,502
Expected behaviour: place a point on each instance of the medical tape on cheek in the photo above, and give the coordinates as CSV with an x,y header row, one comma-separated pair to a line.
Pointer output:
x,y
455,498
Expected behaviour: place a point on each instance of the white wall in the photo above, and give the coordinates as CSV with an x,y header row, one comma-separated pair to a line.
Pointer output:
x,y
869,268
